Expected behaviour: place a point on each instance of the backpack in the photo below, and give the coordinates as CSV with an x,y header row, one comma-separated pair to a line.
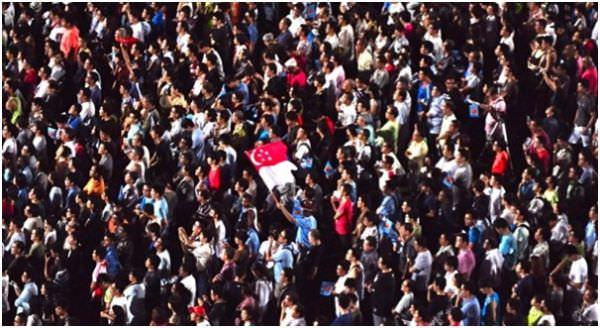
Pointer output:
x,y
308,160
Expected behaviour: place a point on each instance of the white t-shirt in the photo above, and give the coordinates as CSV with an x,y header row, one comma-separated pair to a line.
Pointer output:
x,y
579,272
296,24
122,302
333,40
137,31
189,283
165,261
42,89
9,146
347,114
183,41
590,313
88,110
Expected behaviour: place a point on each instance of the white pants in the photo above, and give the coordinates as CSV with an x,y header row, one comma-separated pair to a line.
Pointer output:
x,y
579,133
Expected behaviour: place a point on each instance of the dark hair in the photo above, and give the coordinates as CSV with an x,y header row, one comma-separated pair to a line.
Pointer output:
x,y
500,223
452,261
154,260
345,265
571,250
344,301
456,313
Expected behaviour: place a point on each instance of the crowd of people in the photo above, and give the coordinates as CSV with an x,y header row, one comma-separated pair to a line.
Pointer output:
x,y
446,162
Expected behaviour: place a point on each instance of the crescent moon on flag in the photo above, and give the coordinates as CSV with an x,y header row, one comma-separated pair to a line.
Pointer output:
x,y
254,161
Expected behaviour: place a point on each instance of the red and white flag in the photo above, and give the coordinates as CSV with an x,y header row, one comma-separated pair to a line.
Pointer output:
x,y
272,164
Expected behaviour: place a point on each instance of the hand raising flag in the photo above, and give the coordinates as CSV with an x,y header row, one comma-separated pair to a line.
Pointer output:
x,y
272,164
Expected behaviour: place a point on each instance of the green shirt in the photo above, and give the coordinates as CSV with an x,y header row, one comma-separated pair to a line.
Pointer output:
x,y
16,113
389,132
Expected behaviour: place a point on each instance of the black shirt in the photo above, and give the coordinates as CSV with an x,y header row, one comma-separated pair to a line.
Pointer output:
x,y
219,315
383,293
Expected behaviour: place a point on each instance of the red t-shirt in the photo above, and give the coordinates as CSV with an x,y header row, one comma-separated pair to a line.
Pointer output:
x,y
544,157
343,222
296,80
214,178
69,43
500,163
591,75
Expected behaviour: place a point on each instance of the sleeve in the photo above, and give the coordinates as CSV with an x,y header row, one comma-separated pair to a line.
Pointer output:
x,y
579,275
278,256
302,222
420,263
504,247
403,304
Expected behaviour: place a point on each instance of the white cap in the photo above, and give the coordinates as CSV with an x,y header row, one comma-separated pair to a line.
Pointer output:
x,y
291,63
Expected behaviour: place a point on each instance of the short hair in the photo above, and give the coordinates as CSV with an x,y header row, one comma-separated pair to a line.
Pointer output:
x,y
571,250
288,273
456,313
350,282
371,241
345,265
470,287
154,260
344,301
500,223
452,261
229,252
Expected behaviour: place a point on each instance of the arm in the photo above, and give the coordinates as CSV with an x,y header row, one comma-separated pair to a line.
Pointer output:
x,y
494,306
560,266
284,210
592,120
126,57
268,255
551,84
337,214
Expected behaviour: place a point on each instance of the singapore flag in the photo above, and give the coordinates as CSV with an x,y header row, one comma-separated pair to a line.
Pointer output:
x,y
272,164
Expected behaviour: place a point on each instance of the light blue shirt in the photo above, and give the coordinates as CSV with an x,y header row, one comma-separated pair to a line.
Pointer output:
x,y
387,208
590,235
252,241
508,247
305,224
471,312
29,291
161,209
283,258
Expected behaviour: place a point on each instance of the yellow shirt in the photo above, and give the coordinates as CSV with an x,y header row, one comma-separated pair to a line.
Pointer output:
x,y
364,61
417,149
551,196
94,187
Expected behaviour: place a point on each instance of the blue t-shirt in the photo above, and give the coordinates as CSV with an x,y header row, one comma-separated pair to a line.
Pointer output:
x,y
387,208
253,242
590,234
161,209
282,259
487,307
526,190
386,229
508,247
471,312
305,224
343,320
474,235
423,94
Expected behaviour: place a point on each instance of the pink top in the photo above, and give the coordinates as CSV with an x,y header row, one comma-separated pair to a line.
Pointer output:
x,y
466,262
101,267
